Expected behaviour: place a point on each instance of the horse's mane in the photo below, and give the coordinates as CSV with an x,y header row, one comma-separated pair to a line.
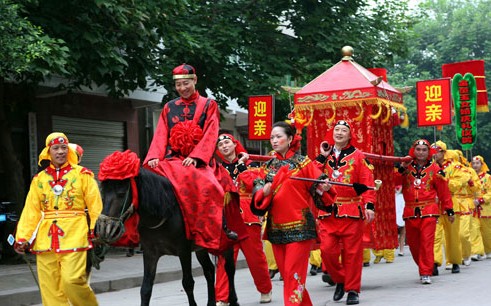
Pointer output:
x,y
157,197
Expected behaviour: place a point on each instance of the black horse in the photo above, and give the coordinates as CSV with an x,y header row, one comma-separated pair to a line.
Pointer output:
x,y
161,229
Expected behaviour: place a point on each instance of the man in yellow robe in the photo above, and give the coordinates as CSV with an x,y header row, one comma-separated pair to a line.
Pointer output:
x,y
54,224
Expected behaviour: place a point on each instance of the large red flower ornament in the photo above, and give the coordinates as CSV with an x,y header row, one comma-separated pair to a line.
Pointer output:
x,y
119,166
184,136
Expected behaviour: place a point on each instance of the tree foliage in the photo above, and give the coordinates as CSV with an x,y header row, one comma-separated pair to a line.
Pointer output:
x,y
24,48
239,47
447,31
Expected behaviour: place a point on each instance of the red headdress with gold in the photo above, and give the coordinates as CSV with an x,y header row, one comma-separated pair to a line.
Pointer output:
x,y
238,146
422,142
184,71
330,133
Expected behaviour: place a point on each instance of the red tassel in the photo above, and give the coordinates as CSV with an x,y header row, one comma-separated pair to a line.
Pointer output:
x,y
134,192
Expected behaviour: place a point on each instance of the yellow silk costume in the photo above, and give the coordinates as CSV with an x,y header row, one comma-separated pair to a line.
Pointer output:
x,y
54,221
71,228
485,212
457,179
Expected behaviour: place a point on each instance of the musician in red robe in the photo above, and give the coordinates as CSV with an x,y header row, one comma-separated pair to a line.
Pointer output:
x,y
291,205
424,188
341,228
182,149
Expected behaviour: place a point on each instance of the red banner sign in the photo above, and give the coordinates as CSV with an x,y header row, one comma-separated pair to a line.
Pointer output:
x,y
261,110
434,102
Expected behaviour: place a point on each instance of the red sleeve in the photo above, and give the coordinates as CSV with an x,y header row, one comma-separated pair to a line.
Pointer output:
x,y
261,201
312,171
158,147
329,197
366,178
247,177
397,177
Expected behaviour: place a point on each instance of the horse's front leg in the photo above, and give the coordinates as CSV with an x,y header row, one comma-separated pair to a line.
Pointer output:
x,y
230,270
187,276
150,261
209,273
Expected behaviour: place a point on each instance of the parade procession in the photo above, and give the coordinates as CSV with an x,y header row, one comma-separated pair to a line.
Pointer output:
x,y
290,154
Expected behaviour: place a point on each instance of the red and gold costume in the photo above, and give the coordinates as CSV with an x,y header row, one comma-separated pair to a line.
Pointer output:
x,y
189,128
341,228
55,222
251,247
421,186
291,227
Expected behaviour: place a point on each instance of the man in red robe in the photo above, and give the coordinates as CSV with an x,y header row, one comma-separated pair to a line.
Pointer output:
x,y
182,149
341,227
426,194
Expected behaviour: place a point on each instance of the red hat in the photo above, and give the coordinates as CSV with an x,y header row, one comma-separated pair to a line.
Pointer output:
x,y
184,71
343,123
77,148
329,137
422,142
238,146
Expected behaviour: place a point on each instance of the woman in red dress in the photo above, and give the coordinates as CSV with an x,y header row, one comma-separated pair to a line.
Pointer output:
x,y
291,206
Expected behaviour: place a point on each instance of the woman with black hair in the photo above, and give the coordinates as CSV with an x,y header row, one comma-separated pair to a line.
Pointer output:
x,y
291,206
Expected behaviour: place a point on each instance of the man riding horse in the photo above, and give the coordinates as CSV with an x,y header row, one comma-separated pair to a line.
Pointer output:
x,y
182,150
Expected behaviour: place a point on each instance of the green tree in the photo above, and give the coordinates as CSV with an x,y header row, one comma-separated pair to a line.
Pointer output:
x,y
26,52
447,31
238,47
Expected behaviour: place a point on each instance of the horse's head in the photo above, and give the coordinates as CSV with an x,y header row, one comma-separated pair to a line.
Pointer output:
x,y
117,208
118,190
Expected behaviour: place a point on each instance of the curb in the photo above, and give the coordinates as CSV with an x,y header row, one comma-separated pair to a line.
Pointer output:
x,y
30,295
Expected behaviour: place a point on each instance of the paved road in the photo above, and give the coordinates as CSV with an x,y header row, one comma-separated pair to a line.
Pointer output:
x,y
383,284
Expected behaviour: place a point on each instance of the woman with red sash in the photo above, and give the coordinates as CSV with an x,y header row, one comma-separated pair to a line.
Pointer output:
x,y
181,150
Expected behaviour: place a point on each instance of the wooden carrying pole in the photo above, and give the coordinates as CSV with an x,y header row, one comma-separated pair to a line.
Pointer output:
x,y
386,158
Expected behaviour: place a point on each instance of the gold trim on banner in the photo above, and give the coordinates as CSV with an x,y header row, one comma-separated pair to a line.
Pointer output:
x,y
347,103
387,117
360,116
302,118
333,117
312,98
378,113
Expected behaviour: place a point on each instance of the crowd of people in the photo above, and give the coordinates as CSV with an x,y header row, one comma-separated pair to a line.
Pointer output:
x,y
288,205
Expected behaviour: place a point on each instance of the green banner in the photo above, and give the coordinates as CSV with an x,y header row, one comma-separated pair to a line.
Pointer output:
x,y
464,94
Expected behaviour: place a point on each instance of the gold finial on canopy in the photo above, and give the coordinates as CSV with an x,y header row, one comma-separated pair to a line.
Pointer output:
x,y
347,52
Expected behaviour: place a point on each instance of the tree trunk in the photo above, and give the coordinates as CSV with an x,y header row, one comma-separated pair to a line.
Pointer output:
x,y
12,171
12,166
